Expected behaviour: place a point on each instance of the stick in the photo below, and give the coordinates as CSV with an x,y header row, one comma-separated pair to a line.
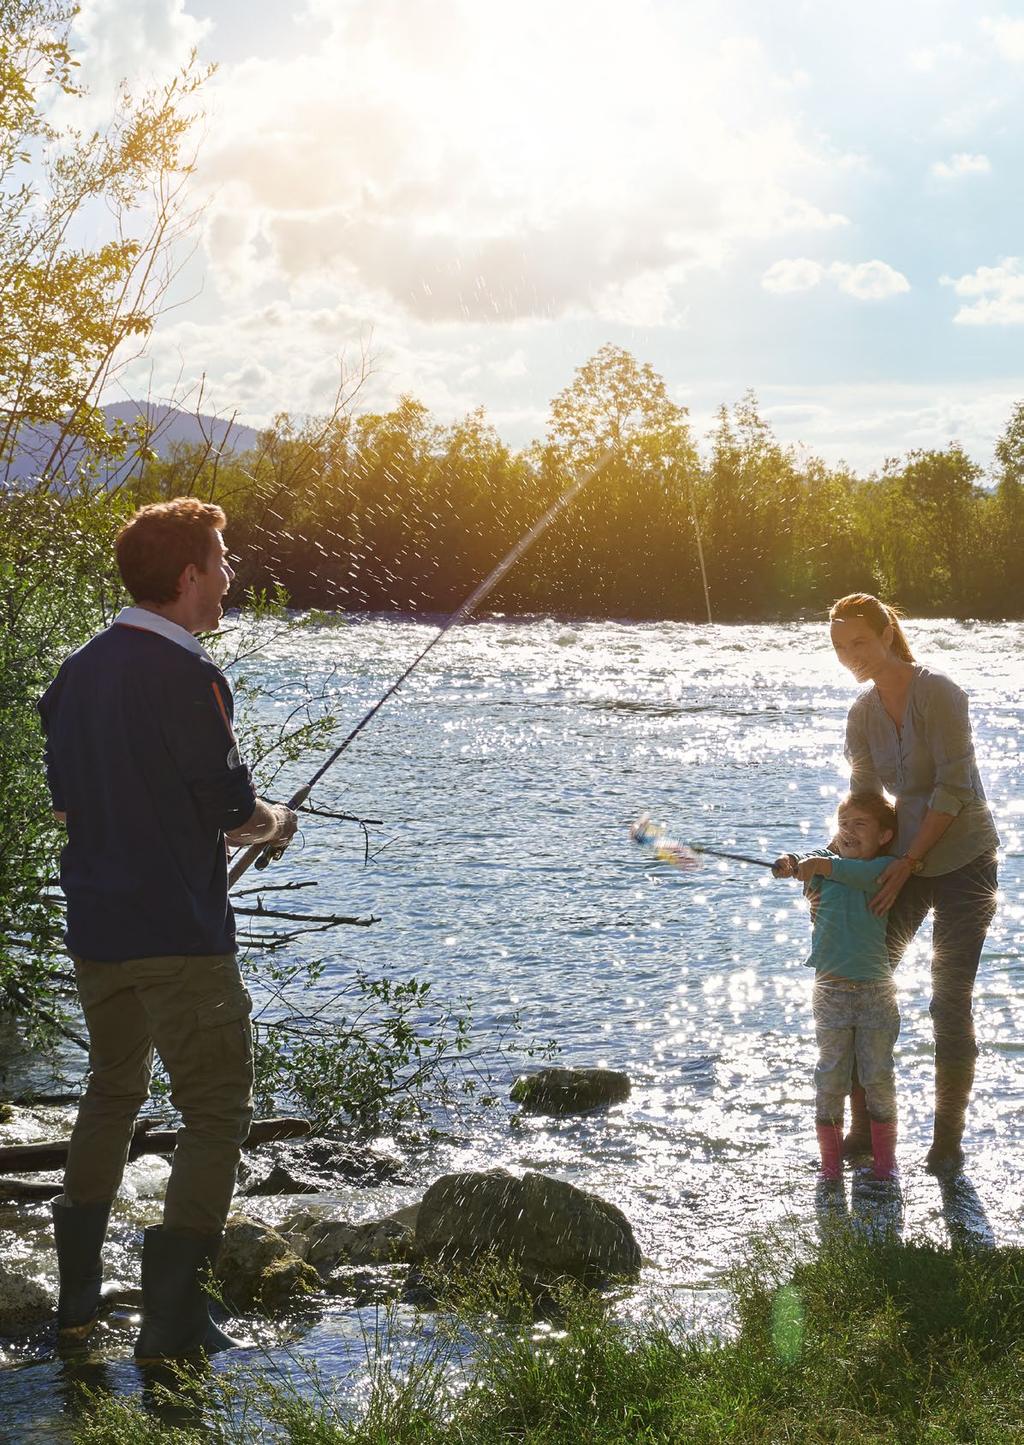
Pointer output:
x,y
733,857
15,1158
266,852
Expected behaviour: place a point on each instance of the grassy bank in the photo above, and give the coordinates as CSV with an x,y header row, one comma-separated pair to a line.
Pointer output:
x,y
863,1342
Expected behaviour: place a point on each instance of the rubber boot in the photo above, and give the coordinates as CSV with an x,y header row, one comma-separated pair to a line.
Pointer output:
x,y
953,1082
78,1232
175,1306
858,1141
830,1146
883,1147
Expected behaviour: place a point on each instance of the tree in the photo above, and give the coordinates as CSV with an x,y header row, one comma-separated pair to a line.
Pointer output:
x,y
71,310
68,309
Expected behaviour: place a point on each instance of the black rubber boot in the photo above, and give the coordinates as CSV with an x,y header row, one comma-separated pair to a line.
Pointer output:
x,y
175,1306
79,1231
954,1079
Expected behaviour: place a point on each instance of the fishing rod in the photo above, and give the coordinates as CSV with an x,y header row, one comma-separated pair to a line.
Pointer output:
x,y
683,855
261,854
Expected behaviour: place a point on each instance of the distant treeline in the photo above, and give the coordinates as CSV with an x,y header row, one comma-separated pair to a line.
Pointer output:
x,y
397,512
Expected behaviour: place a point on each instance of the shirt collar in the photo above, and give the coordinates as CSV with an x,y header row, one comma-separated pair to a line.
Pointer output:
x,y
153,622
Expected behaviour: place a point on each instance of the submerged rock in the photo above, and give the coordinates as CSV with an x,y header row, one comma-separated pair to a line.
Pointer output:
x,y
280,1181
548,1229
258,1269
326,1243
24,1304
570,1091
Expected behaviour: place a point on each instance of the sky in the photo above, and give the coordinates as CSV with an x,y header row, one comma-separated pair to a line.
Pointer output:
x,y
819,202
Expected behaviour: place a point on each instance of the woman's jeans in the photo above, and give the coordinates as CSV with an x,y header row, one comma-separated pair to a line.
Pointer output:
x,y
965,903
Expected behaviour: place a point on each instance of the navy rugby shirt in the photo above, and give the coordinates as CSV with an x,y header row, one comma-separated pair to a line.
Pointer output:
x,y
141,756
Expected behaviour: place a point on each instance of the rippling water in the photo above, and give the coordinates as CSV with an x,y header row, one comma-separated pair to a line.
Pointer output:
x,y
507,772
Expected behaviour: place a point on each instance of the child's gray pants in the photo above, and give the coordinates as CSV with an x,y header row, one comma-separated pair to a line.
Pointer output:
x,y
855,1021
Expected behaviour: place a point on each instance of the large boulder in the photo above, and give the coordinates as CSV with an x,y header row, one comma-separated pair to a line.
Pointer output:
x,y
24,1304
570,1091
259,1270
547,1229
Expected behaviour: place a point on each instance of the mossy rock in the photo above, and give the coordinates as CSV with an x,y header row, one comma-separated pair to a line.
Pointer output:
x,y
570,1091
545,1228
259,1270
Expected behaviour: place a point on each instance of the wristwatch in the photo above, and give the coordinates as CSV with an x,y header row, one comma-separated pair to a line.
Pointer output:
x,y
916,864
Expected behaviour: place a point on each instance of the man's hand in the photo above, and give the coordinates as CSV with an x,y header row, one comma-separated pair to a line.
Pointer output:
x,y
270,823
889,884
808,868
785,866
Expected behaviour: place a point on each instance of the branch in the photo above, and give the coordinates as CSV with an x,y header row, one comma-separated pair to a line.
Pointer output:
x,y
146,1140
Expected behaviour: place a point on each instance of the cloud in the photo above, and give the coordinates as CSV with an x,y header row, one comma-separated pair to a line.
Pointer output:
x,y
996,294
142,47
869,280
1007,35
866,280
961,164
930,58
453,163
785,277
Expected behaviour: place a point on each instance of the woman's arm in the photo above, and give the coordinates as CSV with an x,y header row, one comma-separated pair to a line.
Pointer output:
x,y
857,750
933,826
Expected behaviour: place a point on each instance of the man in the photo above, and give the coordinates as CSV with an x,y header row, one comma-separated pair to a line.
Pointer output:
x,y
143,768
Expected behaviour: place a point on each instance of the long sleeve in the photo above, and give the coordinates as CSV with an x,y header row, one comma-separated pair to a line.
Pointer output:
x,y
862,873
199,735
863,772
949,735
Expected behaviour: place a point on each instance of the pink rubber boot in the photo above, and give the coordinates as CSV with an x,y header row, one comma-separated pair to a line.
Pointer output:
x,y
830,1144
883,1147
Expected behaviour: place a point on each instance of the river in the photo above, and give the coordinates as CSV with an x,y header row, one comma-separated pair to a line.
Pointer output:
x,y
506,774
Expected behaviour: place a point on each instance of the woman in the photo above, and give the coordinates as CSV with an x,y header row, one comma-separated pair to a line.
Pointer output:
x,y
910,734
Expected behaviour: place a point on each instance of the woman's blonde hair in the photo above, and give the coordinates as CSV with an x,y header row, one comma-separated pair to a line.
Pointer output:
x,y
878,616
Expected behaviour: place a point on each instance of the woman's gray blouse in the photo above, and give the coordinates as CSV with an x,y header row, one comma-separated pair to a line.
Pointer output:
x,y
928,763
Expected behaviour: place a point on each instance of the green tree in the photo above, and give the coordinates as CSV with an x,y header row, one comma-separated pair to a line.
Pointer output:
x,y
67,310
71,310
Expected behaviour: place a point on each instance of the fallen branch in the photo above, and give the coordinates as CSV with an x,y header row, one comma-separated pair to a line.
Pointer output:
x,y
15,1158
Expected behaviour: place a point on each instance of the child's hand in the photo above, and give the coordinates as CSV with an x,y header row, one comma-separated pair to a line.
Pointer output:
x,y
809,867
784,866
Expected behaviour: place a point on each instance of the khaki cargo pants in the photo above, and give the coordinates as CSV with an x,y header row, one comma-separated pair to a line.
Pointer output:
x,y
194,1011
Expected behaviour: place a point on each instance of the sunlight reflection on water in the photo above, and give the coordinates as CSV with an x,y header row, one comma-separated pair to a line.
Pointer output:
x,y
507,772
510,770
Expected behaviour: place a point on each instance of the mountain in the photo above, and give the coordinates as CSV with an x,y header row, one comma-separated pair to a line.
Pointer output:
x,y
167,426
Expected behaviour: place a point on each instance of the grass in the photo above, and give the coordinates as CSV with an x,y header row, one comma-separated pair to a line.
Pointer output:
x,y
862,1342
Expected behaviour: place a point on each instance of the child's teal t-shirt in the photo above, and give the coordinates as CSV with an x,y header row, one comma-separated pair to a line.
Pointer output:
x,y
848,940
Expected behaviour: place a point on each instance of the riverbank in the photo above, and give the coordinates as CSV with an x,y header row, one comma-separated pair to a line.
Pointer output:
x,y
866,1340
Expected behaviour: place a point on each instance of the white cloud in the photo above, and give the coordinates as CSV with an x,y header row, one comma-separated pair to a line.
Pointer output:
x,y
869,280
866,280
961,164
995,293
787,276
1007,35
140,47
453,162
930,58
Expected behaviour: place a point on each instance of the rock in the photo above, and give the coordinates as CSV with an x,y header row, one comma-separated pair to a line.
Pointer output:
x,y
330,1242
258,1269
24,1304
323,1162
280,1181
548,1229
570,1091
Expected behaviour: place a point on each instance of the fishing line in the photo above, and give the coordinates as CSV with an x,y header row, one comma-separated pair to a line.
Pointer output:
x,y
262,853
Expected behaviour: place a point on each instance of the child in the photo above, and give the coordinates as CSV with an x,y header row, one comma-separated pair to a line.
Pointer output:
x,y
855,1011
